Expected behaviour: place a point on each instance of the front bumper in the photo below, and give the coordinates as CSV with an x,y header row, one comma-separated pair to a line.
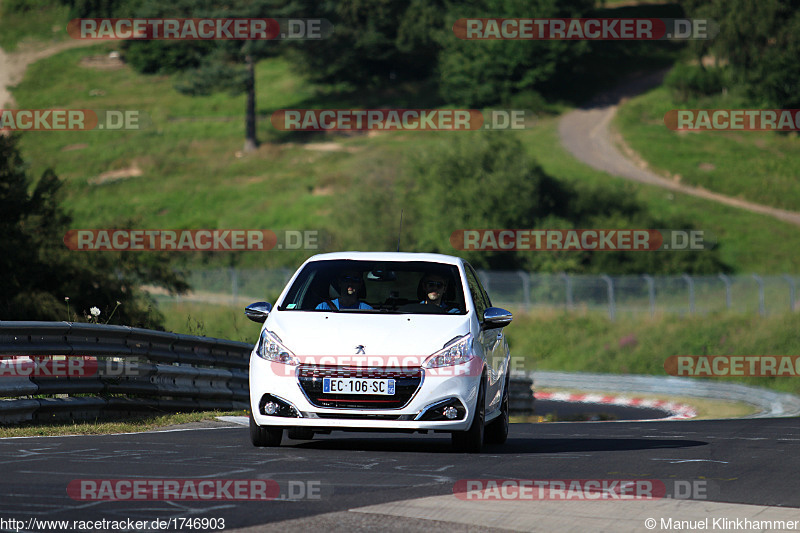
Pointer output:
x,y
302,406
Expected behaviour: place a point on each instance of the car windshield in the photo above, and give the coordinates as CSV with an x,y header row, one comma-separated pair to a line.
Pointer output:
x,y
377,287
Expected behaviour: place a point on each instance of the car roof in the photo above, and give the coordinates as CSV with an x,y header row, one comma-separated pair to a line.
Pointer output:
x,y
387,256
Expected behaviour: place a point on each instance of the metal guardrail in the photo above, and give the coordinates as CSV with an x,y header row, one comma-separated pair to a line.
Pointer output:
x,y
770,403
133,370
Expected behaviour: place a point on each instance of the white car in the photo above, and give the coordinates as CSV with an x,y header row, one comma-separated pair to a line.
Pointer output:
x,y
381,341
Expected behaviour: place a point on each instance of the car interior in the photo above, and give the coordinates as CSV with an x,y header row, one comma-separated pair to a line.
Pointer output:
x,y
386,288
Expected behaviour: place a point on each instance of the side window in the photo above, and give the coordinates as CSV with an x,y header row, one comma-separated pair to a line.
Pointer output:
x,y
479,297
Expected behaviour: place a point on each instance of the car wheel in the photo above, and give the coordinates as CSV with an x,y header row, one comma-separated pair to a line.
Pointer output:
x,y
471,440
264,435
497,430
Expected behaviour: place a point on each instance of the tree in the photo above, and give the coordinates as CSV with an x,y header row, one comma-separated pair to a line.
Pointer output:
x,y
375,43
761,40
37,271
481,73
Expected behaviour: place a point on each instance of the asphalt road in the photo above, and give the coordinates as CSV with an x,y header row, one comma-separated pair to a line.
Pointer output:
x,y
743,461
571,411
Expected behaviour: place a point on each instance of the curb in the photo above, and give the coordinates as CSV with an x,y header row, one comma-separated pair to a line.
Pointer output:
x,y
678,411
771,404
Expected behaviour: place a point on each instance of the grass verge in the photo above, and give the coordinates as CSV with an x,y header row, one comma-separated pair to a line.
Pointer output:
x,y
640,345
104,427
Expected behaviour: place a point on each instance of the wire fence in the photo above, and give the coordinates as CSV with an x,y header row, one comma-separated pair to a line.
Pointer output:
x,y
614,295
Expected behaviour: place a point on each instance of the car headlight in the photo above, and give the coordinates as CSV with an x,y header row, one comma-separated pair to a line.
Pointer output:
x,y
271,348
457,353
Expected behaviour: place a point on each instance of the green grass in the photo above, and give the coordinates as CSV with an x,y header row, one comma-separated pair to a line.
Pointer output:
x,y
192,177
757,166
128,425
44,21
591,343
192,173
219,321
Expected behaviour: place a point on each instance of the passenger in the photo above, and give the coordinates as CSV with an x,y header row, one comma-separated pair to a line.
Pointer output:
x,y
434,287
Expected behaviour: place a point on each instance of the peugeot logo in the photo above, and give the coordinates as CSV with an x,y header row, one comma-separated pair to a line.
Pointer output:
x,y
360,349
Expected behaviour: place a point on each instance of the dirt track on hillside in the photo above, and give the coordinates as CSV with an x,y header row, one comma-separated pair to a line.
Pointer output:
x,y
586,134
13,65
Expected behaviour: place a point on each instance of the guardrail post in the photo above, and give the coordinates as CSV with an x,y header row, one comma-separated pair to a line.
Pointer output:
x,y
568,283
690,283
526,289
792,290
651,293
761,307
612,311
727,281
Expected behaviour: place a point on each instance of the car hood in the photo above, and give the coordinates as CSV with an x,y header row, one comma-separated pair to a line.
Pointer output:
x,y
340,334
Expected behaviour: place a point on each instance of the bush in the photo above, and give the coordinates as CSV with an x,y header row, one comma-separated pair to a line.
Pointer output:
x,y
693,81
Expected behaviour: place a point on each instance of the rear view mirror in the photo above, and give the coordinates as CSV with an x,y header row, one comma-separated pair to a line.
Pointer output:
x,y
257,312
381,275
495,317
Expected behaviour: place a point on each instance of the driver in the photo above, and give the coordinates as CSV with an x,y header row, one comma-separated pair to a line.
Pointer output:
x,y
435,287
349,282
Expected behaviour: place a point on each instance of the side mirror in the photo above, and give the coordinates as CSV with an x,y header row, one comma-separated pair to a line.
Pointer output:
x,y
258,311
494,317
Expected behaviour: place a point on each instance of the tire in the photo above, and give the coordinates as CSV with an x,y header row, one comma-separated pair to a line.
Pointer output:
x,y
471,440
262,436
497,430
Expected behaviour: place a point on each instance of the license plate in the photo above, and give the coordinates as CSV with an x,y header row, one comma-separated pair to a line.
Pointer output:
x,y
383,387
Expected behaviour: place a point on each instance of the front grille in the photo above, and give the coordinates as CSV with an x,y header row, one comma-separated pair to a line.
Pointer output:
x,y
343,416
407,381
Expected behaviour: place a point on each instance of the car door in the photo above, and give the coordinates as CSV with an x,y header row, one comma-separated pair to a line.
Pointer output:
x,y
491,341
